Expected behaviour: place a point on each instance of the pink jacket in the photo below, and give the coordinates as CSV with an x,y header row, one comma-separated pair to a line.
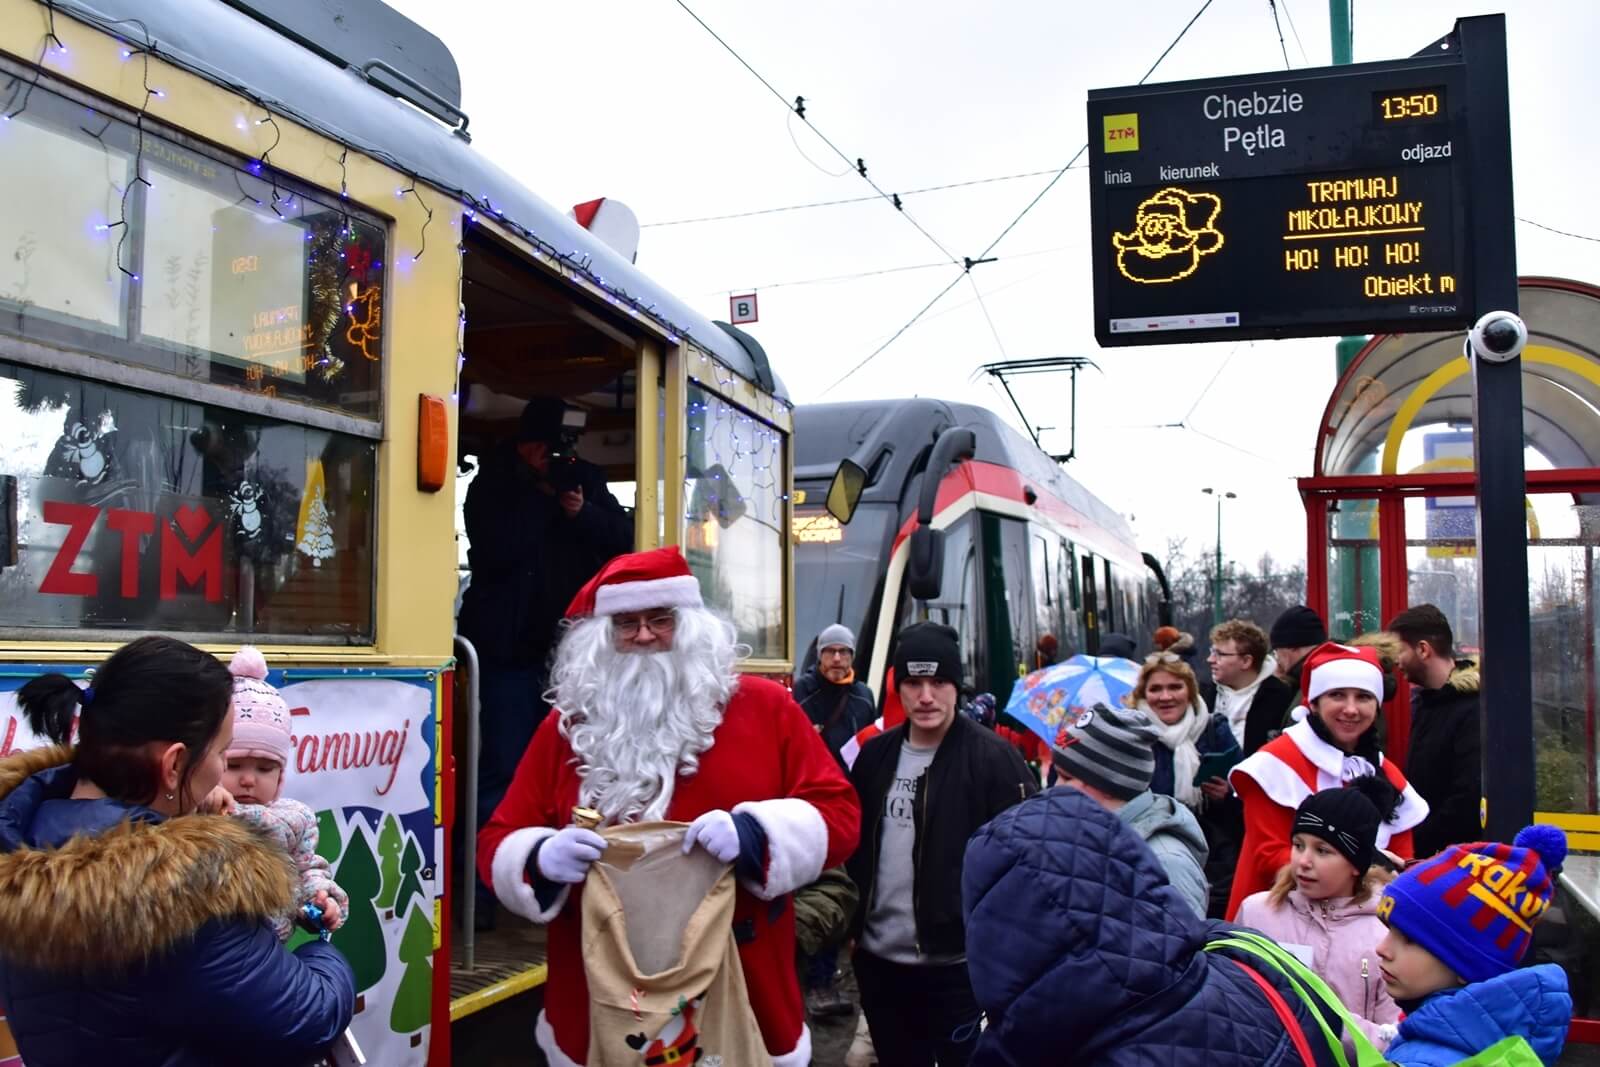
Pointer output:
x,y
1342,938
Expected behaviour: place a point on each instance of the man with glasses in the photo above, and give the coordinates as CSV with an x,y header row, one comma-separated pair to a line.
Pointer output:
x,y
829,693
1245,688
653,722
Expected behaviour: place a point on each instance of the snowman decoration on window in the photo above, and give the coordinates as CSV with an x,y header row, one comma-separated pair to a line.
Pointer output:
x,y
245,506
80,448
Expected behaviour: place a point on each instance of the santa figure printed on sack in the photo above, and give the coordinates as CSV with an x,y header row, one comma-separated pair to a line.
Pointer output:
x,y
652,721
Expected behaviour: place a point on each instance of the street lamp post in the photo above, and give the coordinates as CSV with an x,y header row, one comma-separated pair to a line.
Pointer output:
x,y
1216,608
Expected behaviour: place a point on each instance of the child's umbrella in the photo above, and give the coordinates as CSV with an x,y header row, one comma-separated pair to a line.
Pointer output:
x,y
1045,699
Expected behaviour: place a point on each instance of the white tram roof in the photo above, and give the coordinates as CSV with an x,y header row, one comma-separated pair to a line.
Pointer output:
x,y
235,50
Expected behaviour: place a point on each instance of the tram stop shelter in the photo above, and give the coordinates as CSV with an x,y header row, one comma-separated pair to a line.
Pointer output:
x,y
1390,522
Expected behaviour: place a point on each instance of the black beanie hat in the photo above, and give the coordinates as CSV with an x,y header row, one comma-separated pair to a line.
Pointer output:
x,y
1347,818
928,650
541,420
1297,628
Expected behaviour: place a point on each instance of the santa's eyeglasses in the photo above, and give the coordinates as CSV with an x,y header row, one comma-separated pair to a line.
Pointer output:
x,y
630,625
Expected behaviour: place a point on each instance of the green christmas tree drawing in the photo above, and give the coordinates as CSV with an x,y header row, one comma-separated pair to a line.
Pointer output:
x,y
361,936
411,999
329,843
389,860
410,880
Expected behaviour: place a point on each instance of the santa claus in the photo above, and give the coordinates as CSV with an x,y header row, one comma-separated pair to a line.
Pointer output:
x,y
653,722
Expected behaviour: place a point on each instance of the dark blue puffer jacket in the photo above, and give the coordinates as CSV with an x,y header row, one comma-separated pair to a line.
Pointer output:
x,y
1080,952
131,939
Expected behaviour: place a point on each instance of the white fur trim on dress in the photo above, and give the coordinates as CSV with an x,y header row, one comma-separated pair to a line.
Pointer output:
x,y
546,1037
800,1056
797,843
679,591
509,868
1284,786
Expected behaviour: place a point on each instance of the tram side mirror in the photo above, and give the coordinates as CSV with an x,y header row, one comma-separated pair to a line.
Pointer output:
x,y
925,563
844,492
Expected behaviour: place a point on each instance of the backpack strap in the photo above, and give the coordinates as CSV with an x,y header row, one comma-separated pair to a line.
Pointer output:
x,y
1291,1025
1353,1046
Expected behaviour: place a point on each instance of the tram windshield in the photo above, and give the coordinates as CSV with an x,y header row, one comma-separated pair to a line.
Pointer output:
x,y
837,568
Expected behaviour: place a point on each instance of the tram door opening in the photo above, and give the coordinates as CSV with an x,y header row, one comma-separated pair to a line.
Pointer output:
x,y
530,342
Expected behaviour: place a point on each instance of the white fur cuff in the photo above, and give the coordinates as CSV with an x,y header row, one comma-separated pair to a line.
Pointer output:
x,y
509,867
801,1056
797,843
545,1035
679,591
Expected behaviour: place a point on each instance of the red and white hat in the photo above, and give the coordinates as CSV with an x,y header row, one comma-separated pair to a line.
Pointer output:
x,y
1334,666
638,581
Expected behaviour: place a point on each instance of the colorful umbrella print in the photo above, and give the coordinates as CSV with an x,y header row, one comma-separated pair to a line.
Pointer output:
x,y
1045,699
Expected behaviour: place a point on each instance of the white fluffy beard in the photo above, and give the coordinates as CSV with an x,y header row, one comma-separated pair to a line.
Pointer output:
x,y
637,720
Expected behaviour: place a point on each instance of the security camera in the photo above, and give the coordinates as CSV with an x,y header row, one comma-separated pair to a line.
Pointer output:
x,y
1498,337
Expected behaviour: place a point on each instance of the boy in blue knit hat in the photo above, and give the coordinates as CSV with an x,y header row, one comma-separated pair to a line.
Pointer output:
x,y
1459,924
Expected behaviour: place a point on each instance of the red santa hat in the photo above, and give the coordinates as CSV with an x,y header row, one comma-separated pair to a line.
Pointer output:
x,y
638,581
1334,666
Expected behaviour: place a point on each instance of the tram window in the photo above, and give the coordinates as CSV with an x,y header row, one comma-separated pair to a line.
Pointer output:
x,y
58,262
203,270
958,605
734,516
1010,635
1112,616
1046,595
1070,628
144,512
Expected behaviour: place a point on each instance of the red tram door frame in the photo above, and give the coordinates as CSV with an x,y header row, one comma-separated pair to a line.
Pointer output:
x,y
439,1037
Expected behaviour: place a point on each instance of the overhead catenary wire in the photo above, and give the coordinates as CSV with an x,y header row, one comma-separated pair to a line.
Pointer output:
x,y
1304,59
1020,215
1282,47
1563,233
1001,345
797,108
857,275
850,200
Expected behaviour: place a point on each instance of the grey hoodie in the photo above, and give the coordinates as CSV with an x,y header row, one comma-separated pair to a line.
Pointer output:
x,y
1174,836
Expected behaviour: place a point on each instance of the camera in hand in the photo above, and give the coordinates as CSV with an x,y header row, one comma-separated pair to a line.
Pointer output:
x,y
565,472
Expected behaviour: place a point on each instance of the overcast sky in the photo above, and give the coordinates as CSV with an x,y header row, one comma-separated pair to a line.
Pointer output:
x,y
633,100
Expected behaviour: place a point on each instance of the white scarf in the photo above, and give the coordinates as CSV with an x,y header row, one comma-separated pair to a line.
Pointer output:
x,y
1180,739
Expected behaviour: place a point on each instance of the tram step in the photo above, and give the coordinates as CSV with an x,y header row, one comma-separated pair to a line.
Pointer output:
x,y
508,960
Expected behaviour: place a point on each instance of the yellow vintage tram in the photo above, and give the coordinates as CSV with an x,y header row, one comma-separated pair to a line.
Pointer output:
x,y
258,296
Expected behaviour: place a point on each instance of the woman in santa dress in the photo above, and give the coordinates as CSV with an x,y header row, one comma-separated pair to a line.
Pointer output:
x,y
1334,740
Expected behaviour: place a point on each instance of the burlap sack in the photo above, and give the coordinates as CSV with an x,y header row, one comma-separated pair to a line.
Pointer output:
x,y
665,983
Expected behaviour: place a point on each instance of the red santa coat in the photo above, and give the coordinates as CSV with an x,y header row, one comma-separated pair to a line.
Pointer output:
x,y
765,759
1272,783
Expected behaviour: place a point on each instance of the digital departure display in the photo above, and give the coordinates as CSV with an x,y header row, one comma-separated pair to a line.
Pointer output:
x,y
1312,203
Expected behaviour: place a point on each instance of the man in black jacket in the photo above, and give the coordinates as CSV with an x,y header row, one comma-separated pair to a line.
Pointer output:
x,y
1442,761
926,786
837,704
535,535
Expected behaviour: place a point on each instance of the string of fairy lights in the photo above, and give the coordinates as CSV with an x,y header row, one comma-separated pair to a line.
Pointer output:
x,y
576,266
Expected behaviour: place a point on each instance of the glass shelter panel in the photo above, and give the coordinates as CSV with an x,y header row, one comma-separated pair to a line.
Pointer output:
x,y
1353,575
734,517
127,510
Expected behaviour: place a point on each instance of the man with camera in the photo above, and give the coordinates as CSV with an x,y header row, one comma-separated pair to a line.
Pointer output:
x,y
540,523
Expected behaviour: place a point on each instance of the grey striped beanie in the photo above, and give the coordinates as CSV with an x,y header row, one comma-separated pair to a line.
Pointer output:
x,y
1112,749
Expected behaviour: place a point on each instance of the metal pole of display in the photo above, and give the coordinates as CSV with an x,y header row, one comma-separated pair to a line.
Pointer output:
x,y
1506,695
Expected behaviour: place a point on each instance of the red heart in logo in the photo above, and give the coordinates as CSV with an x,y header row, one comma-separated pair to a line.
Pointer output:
x,y
192,520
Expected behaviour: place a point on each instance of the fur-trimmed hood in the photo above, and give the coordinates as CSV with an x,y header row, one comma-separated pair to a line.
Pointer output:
x,y
1464,678
114,896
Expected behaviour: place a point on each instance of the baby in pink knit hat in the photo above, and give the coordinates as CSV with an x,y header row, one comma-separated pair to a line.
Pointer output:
x,y
257,761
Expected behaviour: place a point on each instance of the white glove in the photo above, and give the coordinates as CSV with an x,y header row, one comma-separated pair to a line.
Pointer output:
x,y
566,856
714,831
